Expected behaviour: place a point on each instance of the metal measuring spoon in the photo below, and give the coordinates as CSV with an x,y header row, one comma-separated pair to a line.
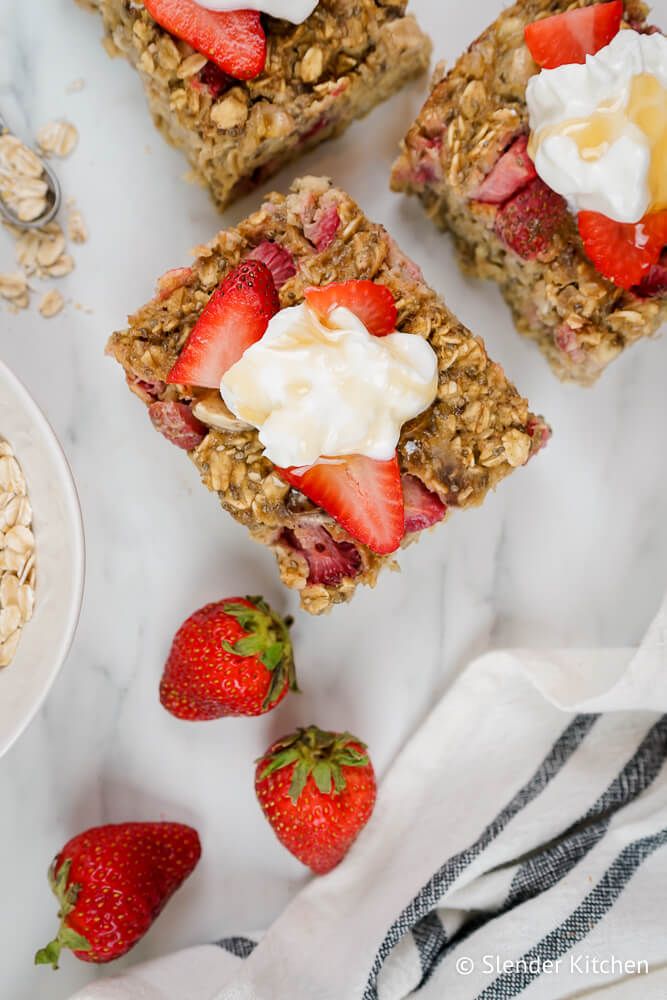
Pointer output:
x,y
53,195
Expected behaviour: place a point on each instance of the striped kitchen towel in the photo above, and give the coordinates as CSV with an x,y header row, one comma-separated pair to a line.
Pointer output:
x,y
517,849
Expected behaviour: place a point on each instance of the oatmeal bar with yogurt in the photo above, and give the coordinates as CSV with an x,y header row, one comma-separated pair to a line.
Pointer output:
x,y
244,92
324,340
544,152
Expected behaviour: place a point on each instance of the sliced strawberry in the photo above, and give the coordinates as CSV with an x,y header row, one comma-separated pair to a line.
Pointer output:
x,y
528,222
178,424
373,304
422,507
363,495
278,260
513,171
622,252
234,40
236,316
329,561
570,37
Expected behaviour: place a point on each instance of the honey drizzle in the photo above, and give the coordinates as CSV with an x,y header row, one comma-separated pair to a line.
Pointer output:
x,y
646,108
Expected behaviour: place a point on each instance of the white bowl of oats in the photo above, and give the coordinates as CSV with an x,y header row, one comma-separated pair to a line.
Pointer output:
x,y
41,558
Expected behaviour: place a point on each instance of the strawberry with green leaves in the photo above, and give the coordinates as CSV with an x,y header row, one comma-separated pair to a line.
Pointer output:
x,y
317,790
233,657
111,882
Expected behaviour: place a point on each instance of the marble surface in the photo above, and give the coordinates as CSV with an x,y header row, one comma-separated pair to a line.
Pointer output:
x,y
571,551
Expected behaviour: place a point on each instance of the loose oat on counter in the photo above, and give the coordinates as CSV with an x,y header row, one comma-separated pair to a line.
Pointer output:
x,y
51,304
40,253
17,554
57,138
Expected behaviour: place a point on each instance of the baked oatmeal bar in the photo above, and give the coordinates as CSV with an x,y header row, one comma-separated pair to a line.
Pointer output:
x,y
478,430
319,76
476,115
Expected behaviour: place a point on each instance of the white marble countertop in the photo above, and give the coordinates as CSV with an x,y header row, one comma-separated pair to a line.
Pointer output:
x,y
570,551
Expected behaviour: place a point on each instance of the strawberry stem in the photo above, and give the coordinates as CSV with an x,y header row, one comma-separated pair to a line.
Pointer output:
x,y
267,638
317,753
66,937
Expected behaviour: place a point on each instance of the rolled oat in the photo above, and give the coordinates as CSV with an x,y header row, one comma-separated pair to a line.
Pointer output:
x,y
23,185
51,304
17,555
41,252
58,138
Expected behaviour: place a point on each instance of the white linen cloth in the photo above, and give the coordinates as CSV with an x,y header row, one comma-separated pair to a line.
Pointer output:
x,y
517,848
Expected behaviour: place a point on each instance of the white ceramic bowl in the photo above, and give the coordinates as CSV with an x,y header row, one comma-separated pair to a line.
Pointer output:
x,y
58,529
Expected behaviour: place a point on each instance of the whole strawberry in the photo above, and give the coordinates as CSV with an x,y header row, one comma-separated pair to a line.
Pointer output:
x,y
317,791
229,658
112,882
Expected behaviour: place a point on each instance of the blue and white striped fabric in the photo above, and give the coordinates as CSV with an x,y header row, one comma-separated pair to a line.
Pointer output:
x,y
517,849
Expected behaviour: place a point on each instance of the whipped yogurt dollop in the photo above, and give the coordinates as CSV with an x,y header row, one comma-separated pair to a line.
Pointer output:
x,y
295,11
599,130
316,388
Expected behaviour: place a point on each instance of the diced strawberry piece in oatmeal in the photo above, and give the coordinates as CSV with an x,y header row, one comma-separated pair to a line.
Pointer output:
x,y
513,171
214,80
178,424
278,260
321,231
540,433
567,340
329,561
147,391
